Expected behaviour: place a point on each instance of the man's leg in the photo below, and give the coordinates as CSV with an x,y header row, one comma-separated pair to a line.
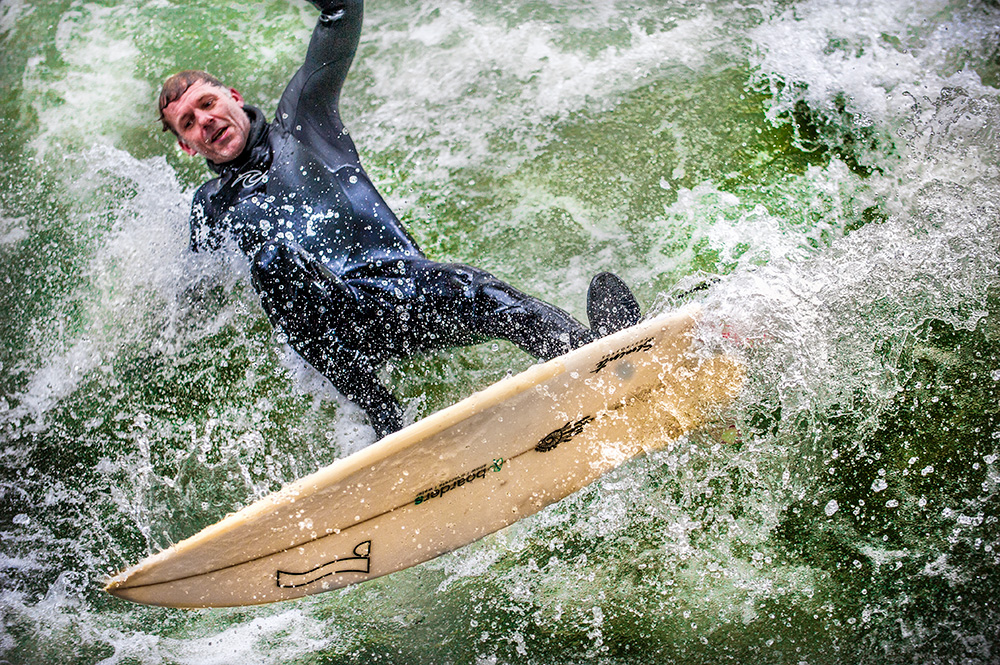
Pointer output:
x,y
456,305
318,313
544,330
541,329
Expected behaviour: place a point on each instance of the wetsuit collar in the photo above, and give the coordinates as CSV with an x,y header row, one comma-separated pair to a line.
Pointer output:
x,y
255,143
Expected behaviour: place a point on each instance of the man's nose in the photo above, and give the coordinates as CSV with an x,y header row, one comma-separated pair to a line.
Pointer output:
x,y
203,118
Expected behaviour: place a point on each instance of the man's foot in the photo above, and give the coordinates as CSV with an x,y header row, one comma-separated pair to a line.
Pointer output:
x,y
610,305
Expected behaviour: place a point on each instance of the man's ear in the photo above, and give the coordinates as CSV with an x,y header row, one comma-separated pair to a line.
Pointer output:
x,y
237,97
186,148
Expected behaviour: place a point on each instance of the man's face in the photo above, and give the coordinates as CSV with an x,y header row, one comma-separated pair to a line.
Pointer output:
x,y
209,121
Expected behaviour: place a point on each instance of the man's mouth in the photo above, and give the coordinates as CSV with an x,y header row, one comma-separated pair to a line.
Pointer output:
x,y
218,135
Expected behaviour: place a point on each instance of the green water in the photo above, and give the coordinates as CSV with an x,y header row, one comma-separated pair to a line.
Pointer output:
x,y
834,165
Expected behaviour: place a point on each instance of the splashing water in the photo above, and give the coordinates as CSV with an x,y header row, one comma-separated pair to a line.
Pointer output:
x,y
823,176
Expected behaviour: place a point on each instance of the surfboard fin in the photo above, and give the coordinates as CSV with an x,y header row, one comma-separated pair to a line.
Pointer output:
x,y
610,305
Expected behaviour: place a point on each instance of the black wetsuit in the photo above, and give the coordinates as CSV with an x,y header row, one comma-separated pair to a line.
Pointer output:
x,y
335,269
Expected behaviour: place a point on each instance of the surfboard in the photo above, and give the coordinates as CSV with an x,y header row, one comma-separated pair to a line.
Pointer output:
x,y
500,455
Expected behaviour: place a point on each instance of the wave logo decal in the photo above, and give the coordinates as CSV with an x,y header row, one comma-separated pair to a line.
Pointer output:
x,y
252,178
359,563
563,434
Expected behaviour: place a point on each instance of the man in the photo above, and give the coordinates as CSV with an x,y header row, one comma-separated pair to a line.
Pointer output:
x,y
335,269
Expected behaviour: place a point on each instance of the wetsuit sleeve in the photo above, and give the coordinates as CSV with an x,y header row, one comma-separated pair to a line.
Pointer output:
x,y
310,105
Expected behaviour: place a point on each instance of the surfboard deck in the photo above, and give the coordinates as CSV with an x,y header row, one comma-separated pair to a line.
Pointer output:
x,y
464,472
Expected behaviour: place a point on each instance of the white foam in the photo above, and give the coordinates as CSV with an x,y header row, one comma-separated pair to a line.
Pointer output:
x,y
880,60
12,231
97,95
443,85
251,642
11,13
142,254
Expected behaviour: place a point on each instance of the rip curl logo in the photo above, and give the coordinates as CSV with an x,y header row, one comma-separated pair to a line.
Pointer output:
x,y
565,433
251,178
644,345
359,563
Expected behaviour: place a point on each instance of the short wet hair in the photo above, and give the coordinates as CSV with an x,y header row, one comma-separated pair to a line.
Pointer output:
x,y
175,86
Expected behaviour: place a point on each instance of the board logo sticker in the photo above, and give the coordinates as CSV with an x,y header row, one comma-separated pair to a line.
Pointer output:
x,y
563,434
643,345
458,481
359,563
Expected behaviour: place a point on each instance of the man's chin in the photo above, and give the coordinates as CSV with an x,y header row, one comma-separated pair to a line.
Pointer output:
x,y
223,156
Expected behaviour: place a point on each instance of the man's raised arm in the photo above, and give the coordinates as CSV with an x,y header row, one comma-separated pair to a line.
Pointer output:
x,y
309,107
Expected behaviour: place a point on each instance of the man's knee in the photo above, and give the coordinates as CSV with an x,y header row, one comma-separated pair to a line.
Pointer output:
x,y
294,285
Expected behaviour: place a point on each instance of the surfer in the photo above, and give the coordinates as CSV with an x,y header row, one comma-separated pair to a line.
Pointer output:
x,y
335,269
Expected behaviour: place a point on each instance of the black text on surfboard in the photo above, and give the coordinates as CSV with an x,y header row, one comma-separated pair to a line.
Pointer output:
x,y
458,481
643,345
